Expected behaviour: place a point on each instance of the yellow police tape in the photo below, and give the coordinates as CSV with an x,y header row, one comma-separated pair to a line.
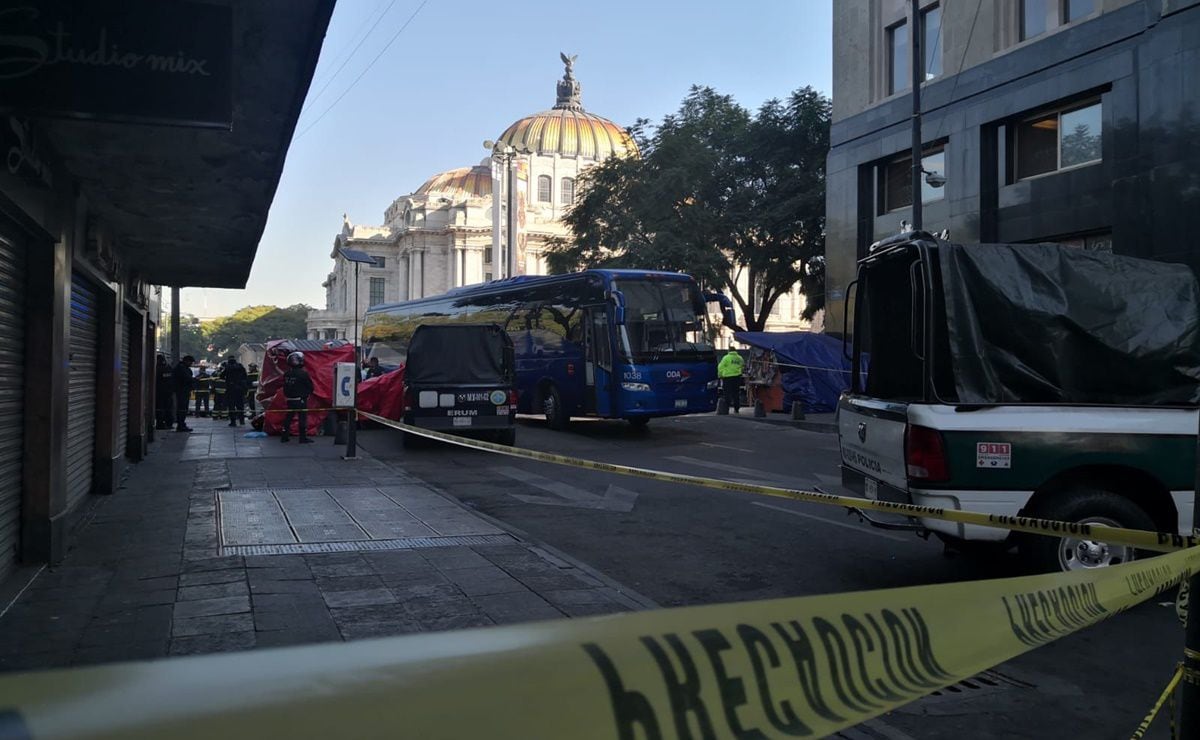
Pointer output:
x,y
803,667
1167,694
1156,541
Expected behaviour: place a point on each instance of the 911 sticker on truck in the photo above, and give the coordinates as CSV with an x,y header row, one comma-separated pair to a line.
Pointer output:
x,y
993,455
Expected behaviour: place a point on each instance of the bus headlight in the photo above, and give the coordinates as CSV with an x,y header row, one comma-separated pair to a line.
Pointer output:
x,y
635,387
712,384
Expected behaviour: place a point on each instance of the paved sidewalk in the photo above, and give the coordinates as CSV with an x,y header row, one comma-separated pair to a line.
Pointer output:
x,y
220,542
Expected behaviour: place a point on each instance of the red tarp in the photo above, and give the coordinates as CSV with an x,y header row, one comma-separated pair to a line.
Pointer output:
x,y
383,396
319,360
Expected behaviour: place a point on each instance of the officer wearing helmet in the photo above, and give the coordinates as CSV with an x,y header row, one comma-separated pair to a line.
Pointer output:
x,y
297,387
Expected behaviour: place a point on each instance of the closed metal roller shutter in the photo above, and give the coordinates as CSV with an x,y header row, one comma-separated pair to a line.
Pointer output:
x,y
12,398
123,389
81,394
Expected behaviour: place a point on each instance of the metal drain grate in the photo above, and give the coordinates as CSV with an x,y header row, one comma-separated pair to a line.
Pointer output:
x,y
981,684
405,543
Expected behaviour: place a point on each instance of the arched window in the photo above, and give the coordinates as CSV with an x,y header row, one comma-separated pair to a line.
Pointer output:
x,y
568,191
544,188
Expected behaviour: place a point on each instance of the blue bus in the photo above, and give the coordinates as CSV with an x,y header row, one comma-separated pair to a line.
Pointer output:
x,y
616,344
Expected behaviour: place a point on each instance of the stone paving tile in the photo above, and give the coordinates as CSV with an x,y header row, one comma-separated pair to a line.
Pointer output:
x,y
349,583
363,597
396,562
290,586
119,652
119,601
215,590
286,573
206,578
301,636
432,607
337,570
576,597
145,624
421,591
215,563
590,610
552,581
484,581
306,617
455,622
445,558
26,661
217,625
509,608
212,607
405,580
220,643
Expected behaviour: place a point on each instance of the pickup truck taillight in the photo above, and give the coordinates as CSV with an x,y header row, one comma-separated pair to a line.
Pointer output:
x,y
925,454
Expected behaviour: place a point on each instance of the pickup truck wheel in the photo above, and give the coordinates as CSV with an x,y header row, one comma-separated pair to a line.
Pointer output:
x,y
552,406
1084,506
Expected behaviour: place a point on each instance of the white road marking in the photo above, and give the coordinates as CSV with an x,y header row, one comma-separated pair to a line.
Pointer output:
x,y
613,499
860,528
736,470
727,447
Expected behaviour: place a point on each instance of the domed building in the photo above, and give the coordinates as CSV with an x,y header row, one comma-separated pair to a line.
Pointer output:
x,y
452,230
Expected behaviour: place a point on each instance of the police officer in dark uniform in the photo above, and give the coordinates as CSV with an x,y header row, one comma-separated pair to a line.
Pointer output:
x,y
182,377
297,387
236,382
164,394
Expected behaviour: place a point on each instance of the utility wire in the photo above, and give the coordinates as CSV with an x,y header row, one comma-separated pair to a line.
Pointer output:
x,y
961,62
387,46
308,104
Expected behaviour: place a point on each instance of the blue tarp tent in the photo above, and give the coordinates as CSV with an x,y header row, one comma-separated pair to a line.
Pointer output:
x,y
818,371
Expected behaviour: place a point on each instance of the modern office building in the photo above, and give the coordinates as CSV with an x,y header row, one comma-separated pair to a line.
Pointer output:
x,y
1071,121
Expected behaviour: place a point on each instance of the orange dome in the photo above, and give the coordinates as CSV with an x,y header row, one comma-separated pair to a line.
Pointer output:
x,y
464,182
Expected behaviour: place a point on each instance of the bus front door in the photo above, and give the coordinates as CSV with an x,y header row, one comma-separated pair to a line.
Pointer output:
x,y
598,364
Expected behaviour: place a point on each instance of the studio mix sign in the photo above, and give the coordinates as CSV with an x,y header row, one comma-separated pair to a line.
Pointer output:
x,y
147,61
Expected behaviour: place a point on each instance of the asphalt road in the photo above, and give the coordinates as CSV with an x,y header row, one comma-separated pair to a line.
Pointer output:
x,y
684,545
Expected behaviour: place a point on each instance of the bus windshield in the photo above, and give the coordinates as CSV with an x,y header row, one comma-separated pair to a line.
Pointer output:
x,y
664,320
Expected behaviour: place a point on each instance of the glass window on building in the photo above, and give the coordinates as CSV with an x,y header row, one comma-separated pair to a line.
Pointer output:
x,y
487,256
487,276
895,181
1040,16
544,188
1093,242
1059,140
568,191
377,285
381,262
1073,10
931,40
897,44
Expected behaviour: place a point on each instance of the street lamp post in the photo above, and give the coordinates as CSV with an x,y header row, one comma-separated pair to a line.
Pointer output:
x,y
358,258
506,254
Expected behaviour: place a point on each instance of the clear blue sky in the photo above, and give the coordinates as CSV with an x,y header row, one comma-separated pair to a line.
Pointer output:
x,y
463,70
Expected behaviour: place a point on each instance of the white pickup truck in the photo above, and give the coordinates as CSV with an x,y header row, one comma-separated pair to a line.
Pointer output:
x,y
1030,379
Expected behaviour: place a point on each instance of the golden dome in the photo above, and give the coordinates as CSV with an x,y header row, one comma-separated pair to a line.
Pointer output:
x,y
566,129
464,182
570,133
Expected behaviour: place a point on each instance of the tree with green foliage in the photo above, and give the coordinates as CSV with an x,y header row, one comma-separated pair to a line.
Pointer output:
x,y
256,324
717,193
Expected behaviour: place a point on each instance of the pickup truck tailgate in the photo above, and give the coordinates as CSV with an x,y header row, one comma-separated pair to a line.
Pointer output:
x,y
871,437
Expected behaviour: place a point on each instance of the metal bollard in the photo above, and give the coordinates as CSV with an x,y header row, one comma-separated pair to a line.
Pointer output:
x,y
722,407
760,411
797,411
339,436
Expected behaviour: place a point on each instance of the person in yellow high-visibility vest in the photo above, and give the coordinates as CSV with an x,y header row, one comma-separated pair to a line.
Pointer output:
x,y
729,370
